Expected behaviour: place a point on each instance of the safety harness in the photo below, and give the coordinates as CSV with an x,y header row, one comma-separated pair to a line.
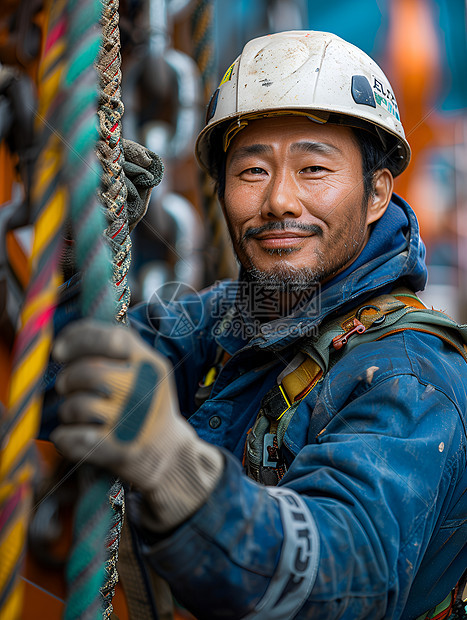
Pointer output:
x,y
371,321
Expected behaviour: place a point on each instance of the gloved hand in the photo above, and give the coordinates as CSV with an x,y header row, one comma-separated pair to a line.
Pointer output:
x,y
143,170
120,412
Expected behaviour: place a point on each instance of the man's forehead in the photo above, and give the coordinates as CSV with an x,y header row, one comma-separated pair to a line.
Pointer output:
x,y
302,147
298,134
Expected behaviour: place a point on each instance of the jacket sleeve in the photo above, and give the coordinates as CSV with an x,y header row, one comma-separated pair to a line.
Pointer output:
x,y
345,532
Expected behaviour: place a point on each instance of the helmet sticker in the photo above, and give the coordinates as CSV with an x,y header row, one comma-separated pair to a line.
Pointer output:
x,y
361,91
385,98
227,74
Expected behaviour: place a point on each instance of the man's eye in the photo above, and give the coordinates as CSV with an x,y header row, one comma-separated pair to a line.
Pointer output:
x,y
254,170
313,169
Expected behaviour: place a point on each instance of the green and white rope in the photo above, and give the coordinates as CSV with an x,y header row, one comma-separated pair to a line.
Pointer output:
x,y
81,167
86,565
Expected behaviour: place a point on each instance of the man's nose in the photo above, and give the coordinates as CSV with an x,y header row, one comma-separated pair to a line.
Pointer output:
x,y
282,198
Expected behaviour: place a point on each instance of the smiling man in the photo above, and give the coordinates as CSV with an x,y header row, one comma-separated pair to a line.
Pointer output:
x,y
295,202
300,450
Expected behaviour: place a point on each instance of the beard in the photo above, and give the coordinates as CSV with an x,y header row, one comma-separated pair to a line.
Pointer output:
x,y
343,247
284,278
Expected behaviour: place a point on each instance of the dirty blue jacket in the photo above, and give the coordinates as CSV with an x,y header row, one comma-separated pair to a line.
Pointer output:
x,y
370,519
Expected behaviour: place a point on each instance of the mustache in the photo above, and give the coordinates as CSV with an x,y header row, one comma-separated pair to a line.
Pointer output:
x,y
314,229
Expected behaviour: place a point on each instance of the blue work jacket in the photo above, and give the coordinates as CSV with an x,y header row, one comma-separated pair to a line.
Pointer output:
x,y
370,518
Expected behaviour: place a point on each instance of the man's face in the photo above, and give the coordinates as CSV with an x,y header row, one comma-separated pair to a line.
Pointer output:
x,y
294,200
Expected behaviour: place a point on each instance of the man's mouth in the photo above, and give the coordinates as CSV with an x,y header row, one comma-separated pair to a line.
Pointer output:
x,y
278,234
281,238
283,235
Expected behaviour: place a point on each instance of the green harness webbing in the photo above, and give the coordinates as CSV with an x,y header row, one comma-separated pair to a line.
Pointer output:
x,y
369,322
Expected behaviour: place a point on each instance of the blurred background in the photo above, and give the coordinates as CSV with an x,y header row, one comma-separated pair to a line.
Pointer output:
x,y
174,53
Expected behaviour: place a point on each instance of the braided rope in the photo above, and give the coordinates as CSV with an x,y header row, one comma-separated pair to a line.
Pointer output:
x,y
20,423
117,501
202,32
86,565
113,196
110,153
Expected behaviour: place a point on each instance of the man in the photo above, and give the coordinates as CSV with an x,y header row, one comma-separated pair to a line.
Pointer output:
x,y
350,502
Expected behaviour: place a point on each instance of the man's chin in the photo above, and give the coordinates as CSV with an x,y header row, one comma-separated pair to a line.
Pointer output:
x,y
285,278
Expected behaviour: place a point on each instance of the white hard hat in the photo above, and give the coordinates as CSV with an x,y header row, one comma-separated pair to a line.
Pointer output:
x,y
316,74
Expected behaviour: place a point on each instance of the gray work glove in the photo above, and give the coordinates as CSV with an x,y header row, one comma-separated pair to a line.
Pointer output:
x,y
143,170
120,412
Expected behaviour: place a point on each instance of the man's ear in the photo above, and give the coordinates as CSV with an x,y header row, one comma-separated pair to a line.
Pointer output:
x,y
383,183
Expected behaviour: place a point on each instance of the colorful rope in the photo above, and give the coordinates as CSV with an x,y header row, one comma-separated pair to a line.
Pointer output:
x,y
113,196
117,501
68,99
82,169
20,423
86,565
85,571
110,153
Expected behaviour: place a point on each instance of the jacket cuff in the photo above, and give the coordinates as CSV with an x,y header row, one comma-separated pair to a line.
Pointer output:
x,y
240,551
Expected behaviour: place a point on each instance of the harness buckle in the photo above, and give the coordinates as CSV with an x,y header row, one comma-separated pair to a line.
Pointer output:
x,y
356,327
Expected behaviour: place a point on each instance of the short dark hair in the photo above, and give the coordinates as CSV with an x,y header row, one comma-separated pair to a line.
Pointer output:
x,y
374,158
373,155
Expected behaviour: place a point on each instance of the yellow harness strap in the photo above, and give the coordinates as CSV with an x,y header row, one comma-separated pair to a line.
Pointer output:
x,y
301,380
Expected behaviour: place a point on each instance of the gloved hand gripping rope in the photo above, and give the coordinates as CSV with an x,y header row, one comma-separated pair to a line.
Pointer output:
x,y
121,412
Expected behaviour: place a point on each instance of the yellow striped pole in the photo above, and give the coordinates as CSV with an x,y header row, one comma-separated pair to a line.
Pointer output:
x,y
20,422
